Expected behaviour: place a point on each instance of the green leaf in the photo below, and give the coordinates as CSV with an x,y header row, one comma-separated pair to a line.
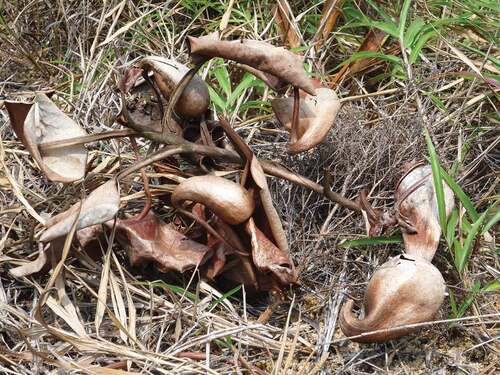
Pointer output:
x,y
492,221
438,183
420,44
457,250
438,102
466,225
216,99
402,20
388,28
413,30
371,241
491,287
450,228
370,54
174,288
223,79
380,11
224,296
466,202
469,299
247,82
464,255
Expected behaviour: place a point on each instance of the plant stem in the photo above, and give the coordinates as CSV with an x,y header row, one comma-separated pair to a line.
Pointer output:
x,y
54,145
178,145
174,98
295,117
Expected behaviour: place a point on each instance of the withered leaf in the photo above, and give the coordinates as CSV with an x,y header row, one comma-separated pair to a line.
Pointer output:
x,y
228,200
43,123
167,74
284,18
17,113
129,79
267,257
42,263
316,116
152,240
100,206
417,211
32,267
270,249
258,54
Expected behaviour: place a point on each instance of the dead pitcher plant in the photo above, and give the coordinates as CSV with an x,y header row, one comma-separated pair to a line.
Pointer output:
x,y
213,213
407,289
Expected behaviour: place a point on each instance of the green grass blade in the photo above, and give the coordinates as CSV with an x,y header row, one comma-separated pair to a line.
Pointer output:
x,y
464,255
453,305
223,79
466,202
491,287
450,227
216,99
469,299
370,54
413,30
224,297
438,183
174,288
372,241
420,44
402,20
492,221
247,82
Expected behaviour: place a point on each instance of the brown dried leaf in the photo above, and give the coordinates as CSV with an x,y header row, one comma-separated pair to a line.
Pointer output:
x,y
260,55
129,79
100,206
316,116
417,211
44,123
17,113
284,17
167,74
228,200
32,267
329,15
373,42
404,290
268,258
152,240
42,264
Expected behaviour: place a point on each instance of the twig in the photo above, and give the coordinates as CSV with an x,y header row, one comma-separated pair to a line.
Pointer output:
x,y
147,191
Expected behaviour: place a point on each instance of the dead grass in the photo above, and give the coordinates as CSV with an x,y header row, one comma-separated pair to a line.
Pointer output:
x,y
78,48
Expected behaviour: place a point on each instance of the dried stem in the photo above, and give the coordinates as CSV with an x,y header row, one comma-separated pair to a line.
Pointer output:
x,y
178,145
54,145
295,118
145,180
174,98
